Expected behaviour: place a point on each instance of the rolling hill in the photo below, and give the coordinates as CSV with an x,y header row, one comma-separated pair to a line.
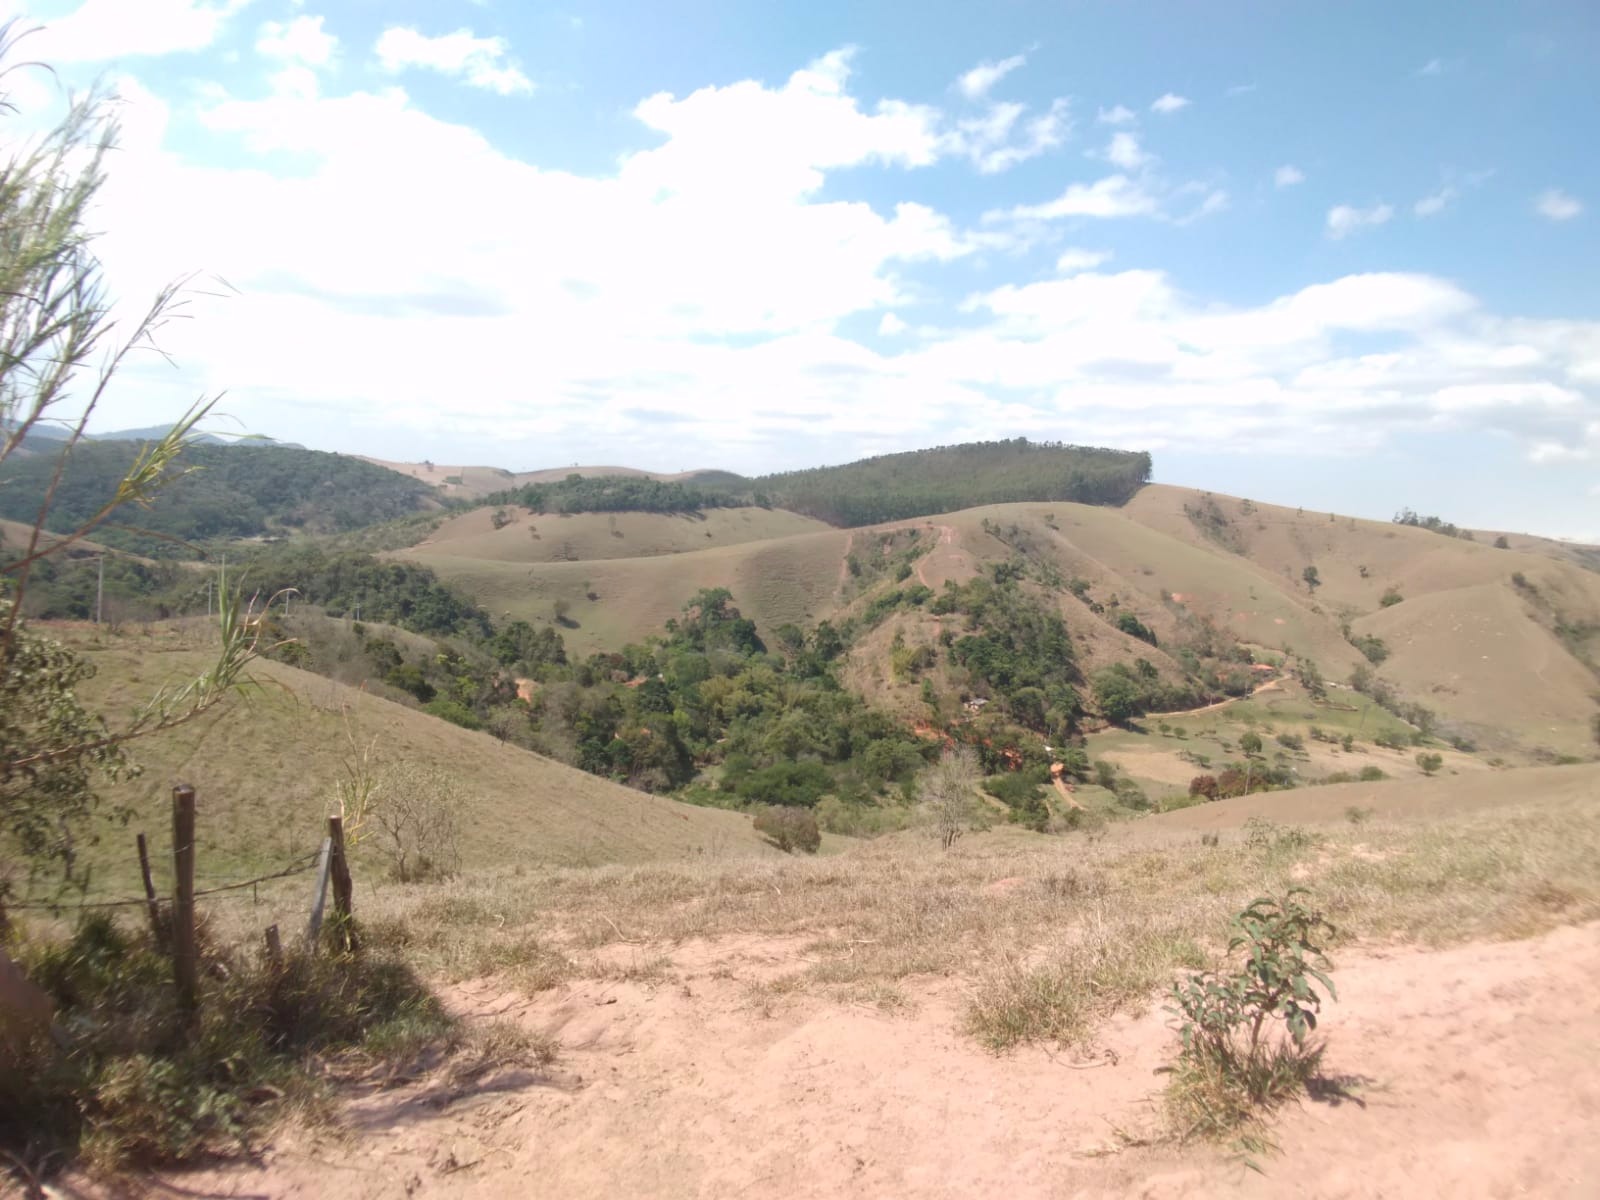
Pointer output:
x,y
265,769
238,491
1512,667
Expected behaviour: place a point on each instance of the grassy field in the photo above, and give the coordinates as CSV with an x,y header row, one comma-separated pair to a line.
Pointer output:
x,y
585,537
610,602
1050,934
1166,751
266,769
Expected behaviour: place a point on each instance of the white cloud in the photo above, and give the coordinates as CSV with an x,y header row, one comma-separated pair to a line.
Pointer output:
x,y
1556,205
975,84
714,282
1124,151
1113,196
1433,66
994,144
301,40
1169,103
1075,259
1343,219
1435,203
100,30
1241,89
1287,176
478,62
1118,115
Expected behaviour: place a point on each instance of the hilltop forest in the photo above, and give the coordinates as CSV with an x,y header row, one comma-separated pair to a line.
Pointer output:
x,y
226,492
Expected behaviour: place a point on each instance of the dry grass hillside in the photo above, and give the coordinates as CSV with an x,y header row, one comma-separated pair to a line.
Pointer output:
x,y
609,602
473,483
528,537
266,768
1515,665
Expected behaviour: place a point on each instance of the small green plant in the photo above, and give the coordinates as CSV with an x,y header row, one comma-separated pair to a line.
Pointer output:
x,y
1430,763
1233,1065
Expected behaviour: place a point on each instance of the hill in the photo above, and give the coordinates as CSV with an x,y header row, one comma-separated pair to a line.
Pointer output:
x,y
516,535
476,483
265,772
1392,600
238,491
606,602
918,483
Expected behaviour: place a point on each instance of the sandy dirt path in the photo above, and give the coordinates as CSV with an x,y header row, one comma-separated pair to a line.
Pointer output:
x,y
1470,1068
947,535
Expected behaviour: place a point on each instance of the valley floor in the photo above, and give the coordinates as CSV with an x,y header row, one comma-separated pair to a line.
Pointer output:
x,y
1458,1072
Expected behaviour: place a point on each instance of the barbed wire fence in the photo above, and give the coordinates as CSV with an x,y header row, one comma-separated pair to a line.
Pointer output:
x,y
172,922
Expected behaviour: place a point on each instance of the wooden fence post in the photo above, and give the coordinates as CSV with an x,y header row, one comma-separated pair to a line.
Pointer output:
x,y
185,954
151,904
274,947
319,898
342,888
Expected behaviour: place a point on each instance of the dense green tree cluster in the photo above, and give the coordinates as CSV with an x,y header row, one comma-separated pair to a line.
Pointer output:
x,y
350,583
239,491
895,487
613,493
1123,692
707,694
1015,648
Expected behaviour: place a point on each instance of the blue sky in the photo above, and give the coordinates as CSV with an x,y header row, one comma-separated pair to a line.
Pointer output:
x,y
1337,255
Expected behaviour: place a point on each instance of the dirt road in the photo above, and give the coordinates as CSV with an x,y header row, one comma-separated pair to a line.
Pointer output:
x,y
1465,1073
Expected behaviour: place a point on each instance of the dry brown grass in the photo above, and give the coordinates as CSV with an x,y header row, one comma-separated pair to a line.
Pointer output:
x,y
266,770
1048,935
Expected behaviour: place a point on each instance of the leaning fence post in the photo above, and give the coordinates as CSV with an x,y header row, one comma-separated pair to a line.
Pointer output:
x,y
339,875
319,897
151,904
185,955
274,947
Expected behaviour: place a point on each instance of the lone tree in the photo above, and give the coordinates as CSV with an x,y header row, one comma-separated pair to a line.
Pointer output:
x,y
59,352
1313,580
949,793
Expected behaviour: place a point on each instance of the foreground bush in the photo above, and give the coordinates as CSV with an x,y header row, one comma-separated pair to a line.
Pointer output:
x,y
129,1080
789,829
1234,1064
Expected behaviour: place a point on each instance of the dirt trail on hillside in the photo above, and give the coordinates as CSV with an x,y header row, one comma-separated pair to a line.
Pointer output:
x,y
1271,685
947,535
1470,1071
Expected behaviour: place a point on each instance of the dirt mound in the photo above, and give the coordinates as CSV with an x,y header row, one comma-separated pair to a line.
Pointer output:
x,y
1459,1073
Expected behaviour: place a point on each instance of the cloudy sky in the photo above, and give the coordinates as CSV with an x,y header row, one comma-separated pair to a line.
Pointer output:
x,y
1339,255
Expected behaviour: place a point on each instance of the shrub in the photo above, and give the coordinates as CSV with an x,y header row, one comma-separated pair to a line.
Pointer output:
x,y
415,814
1371,773
1390,598
1232,1066
797,784
1430,763
1292,741
131,1084
789,829
453,711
